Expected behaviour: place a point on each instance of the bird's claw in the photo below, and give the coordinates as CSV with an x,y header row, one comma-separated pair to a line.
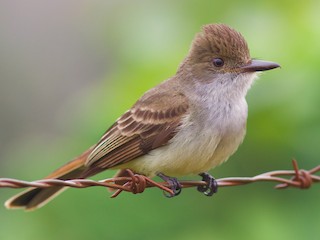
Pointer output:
x,y
173,183
211,187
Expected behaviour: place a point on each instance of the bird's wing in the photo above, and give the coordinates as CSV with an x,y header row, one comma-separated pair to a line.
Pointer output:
x,y
149,124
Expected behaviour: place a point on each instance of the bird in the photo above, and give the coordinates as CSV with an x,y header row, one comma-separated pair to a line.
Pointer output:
x,y
186,125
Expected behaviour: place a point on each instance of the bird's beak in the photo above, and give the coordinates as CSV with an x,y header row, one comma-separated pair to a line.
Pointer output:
x,y
259,65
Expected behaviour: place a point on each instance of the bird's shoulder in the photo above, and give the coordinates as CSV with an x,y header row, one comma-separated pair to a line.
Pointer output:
x,y
165,97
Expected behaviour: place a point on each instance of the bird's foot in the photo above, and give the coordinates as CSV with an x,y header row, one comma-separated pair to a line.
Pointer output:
x,y
211,187
173,183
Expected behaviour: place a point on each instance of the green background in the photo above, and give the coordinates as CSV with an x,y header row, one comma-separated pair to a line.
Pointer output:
x,y
68,69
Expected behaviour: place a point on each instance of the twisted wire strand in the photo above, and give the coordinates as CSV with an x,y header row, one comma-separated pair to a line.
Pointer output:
x,y
136,183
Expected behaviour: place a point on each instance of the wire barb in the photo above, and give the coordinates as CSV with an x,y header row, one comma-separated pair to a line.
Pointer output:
x,y
136,183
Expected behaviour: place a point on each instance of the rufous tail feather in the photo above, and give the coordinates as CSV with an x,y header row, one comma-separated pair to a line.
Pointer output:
x,y
34,198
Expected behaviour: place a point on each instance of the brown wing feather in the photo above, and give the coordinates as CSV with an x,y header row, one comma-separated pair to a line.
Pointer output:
x,y
138,131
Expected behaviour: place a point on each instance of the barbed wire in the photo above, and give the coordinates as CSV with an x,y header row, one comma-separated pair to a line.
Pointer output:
x,y
136,183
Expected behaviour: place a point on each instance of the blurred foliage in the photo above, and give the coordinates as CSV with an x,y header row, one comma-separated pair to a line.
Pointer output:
x,y
143,43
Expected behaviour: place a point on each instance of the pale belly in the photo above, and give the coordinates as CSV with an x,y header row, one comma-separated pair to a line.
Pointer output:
x,y
190,152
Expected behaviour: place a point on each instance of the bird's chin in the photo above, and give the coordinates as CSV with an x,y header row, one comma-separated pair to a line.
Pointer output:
x,y
253,75
244,76
242,82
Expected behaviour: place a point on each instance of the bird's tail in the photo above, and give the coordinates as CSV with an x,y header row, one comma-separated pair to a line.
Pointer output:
x,y
34,198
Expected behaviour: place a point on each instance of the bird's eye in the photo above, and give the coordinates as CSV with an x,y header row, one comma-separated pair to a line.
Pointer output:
x,y
218,62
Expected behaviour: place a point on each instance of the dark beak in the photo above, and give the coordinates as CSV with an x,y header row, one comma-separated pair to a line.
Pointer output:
x,y
259,65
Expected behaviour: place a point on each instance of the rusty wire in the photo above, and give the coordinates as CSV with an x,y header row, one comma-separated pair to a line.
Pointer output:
x,y
136,183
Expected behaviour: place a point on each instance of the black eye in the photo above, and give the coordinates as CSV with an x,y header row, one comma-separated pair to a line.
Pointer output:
x,y
218,62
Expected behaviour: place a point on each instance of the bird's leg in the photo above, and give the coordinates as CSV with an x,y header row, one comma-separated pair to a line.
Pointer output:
x,y
211,187
173,183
